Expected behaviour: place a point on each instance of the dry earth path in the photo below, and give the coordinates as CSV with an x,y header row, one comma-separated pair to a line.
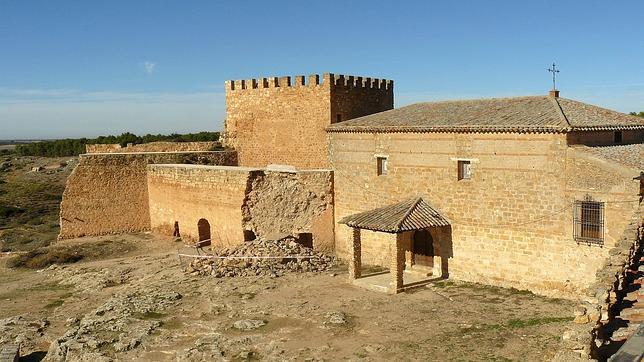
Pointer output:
x,y
139,305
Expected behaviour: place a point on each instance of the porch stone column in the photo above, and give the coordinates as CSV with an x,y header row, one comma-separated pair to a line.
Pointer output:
x,y
355,255
397,264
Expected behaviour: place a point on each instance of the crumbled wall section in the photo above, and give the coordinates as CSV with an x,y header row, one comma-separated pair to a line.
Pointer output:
x,y
153,147
234,199
107,193
291,203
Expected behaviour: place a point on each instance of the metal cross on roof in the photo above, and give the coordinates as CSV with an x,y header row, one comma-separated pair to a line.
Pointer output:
x,y
554,72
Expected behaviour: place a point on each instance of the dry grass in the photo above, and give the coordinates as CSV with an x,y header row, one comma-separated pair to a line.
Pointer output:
x,y
67,254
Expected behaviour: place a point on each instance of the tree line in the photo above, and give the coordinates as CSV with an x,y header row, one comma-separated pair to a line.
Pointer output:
x,y
641,114
76,146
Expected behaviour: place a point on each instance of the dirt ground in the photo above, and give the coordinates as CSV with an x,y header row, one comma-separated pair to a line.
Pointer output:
x,y
127,298
142,306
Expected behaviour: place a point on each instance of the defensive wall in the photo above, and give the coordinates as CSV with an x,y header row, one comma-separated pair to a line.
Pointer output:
x,y
512,222
107,193
282,120
240,203
153,147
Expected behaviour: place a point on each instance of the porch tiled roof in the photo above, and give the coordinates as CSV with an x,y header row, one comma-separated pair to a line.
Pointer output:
x,y
411,214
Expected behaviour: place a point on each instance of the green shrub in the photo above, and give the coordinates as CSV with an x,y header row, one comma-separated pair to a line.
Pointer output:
x,y
8,211
44,257
74,147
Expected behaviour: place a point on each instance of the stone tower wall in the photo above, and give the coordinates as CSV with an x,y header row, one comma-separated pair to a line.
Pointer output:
x,y
282,120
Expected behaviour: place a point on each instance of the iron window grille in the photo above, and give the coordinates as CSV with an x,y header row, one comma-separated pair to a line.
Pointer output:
x,y
589,222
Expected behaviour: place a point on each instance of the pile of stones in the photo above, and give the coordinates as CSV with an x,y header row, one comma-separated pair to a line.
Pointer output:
x,y
262,257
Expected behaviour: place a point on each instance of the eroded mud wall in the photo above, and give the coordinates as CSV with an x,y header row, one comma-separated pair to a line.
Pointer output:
x,y
153,147
108,193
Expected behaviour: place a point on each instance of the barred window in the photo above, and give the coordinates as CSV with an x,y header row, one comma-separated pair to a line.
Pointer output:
x,y
589,221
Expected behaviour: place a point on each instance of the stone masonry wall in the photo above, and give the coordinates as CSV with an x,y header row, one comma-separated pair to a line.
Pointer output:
x,y
511,223
282,120
153,147
107,193
234,199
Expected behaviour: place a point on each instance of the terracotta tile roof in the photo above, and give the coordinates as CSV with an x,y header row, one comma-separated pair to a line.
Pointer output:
x,y
411,214
518,114
631,156
582,116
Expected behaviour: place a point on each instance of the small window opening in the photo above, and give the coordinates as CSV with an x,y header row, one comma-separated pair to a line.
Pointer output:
x,y
382,165
249,235
588,221
305,239
618,136
464,170
338,117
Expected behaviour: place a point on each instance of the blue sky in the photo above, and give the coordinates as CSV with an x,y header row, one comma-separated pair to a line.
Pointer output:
x,y
85,68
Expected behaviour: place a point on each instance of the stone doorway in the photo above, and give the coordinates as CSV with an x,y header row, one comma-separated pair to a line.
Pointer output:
x,y
423,249
203,227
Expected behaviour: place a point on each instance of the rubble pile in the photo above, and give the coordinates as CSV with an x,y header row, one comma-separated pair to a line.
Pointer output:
x,y
282,258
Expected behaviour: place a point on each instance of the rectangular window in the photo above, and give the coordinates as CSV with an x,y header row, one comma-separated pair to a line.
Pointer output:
x,y
618,136
588,221
382,165
464,170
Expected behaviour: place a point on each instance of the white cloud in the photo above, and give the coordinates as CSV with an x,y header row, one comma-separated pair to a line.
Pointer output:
x,y
149,67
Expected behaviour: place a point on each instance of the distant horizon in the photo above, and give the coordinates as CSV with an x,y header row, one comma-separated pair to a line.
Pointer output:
x,y
82,69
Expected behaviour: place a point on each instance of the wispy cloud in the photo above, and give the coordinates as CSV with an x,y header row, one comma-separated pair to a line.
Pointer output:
x,y
149,67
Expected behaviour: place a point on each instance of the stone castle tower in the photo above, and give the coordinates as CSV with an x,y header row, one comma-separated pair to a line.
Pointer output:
x,y
276,121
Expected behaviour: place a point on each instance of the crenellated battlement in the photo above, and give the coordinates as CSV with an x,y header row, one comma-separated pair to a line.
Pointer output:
x,y
313,80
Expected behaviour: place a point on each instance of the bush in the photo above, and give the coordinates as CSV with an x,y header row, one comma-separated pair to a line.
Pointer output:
x,y
8,211
44,257
66,254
